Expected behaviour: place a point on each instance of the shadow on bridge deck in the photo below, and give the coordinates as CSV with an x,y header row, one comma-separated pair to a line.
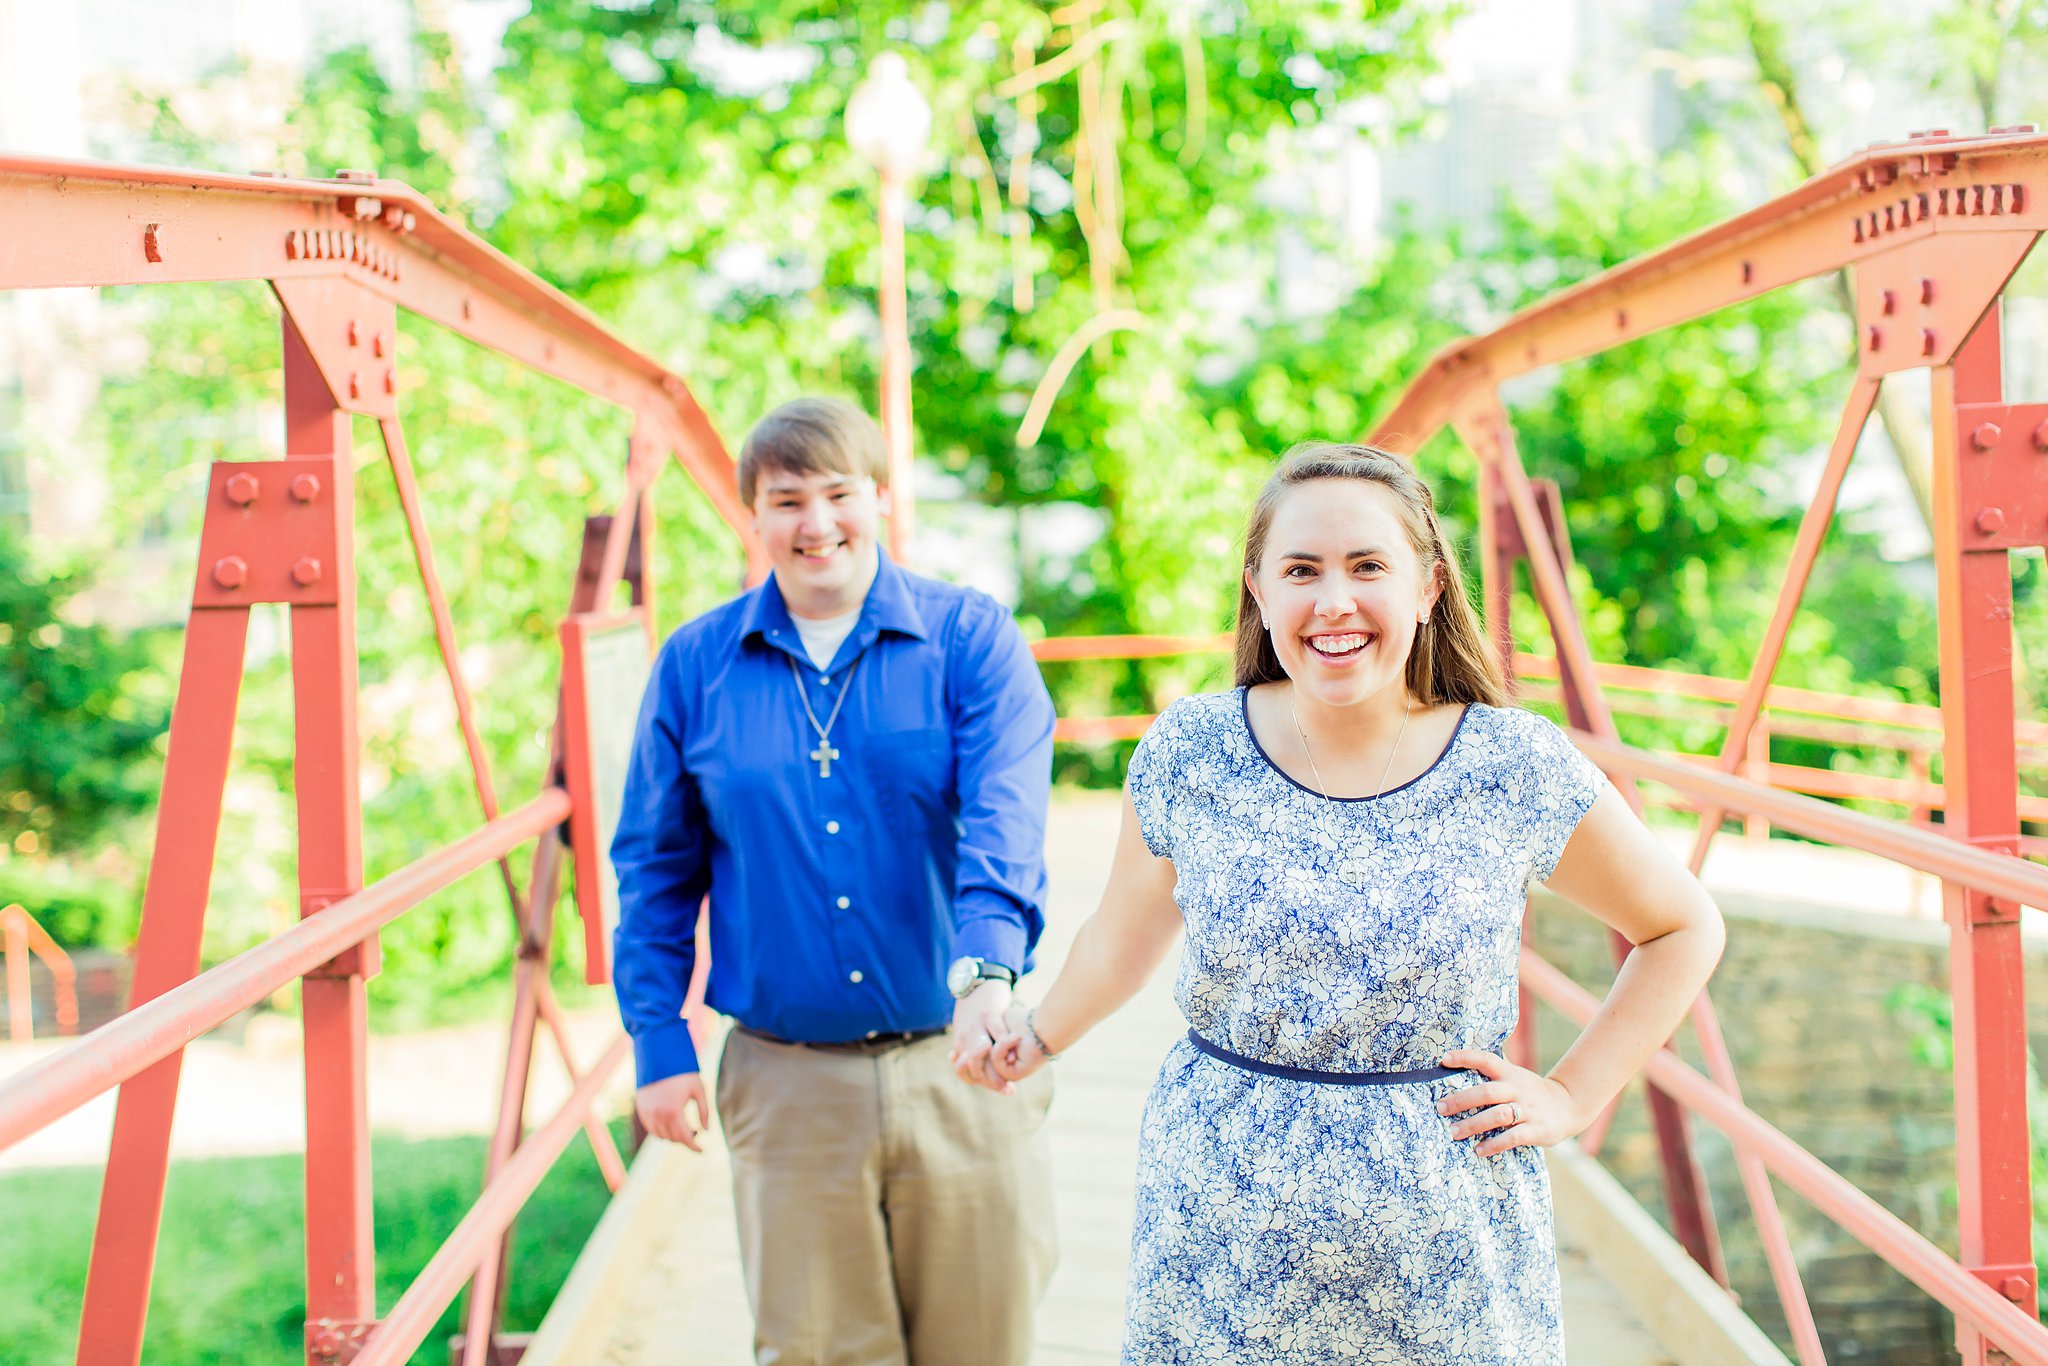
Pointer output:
x,y
660,1280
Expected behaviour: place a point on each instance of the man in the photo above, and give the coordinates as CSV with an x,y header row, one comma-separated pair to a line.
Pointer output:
x,y
854,763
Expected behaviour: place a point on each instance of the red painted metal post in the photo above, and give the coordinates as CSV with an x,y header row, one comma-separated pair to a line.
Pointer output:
x,y
340,1256
1975,592
1499,547
20,1018
166,954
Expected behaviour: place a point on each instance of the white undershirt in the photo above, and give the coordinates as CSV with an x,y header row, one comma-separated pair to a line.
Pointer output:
x,y
822,636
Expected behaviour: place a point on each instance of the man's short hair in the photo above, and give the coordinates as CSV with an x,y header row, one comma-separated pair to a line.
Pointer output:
x,y
813,436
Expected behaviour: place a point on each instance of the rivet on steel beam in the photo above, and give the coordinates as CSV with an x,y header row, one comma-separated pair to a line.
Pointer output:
x,y
410,222
355,333
2041,436
377,346
1748,272
1891,303
1876,337
355,386
242,488
153,242
1991,521
1621,317
2016,195
390,382
2014,1287
1926,291
294,246
1986,436
1926,341
306,487
306,572
230,570
465,309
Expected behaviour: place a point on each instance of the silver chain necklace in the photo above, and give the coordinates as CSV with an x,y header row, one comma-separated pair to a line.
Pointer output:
x,y
1398,735
824,754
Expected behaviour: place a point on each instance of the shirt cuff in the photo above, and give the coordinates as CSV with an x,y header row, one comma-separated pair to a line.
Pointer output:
x,y
664,1051
994,935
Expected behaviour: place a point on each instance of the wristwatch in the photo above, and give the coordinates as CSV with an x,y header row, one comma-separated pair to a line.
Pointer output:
x,y
968,973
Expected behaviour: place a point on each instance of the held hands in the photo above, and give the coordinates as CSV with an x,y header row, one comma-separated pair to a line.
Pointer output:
x,y
663,1107
1513,1107
979,1021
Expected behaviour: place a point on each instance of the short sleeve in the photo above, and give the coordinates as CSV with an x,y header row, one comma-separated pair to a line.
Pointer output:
x,y
1562,786
1150,782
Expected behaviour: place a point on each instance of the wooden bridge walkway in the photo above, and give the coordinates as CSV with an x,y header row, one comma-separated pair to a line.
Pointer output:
x,y
660,1283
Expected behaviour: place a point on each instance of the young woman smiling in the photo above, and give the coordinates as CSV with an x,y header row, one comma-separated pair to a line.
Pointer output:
x,y
1338,1161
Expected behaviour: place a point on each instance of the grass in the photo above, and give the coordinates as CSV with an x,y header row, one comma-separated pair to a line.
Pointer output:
x,y
230,1269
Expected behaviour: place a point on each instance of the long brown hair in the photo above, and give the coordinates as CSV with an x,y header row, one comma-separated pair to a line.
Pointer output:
x,y
1452,660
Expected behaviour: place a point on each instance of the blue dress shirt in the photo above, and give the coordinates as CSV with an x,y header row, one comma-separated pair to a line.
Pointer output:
x,y
836,902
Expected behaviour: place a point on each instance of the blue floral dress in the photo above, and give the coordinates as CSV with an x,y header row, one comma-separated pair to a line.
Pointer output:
x,y
1284,1221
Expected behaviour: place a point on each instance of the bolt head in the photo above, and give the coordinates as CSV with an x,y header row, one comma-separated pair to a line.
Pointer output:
x,y
2041,436
1986,436
390,382
306,572
153,242
2014,1287
242,488
306,487
355,386
377,346
1874,336
230,571
1926,292
1991,521
1891,302
1926,341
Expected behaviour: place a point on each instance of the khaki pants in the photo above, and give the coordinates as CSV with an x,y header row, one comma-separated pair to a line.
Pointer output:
x,y
889,1214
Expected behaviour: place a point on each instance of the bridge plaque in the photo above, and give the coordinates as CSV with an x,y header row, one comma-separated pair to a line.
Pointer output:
x,y
606,658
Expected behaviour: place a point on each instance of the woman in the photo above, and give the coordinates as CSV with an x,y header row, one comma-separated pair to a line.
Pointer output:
x,y
1337,1163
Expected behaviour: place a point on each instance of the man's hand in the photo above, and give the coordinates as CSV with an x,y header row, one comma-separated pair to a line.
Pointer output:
x,y
977,1024
663,1107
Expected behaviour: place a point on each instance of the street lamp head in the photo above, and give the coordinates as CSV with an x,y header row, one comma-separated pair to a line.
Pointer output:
x,y
888,121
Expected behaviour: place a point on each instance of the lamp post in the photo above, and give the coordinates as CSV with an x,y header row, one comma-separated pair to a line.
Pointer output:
x,y
888,122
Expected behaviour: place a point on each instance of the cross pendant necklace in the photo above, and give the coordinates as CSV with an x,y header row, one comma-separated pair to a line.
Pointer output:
x,y
824,754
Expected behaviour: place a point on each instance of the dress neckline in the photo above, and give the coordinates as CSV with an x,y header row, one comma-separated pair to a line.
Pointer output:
x,y
1244,711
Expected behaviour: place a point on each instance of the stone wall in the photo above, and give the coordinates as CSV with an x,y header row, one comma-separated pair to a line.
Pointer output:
x,y
1804,996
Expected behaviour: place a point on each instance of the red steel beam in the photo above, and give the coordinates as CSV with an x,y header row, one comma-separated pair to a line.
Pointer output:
x,y
54,1086
1861,211
442,1279
80,223
1987,982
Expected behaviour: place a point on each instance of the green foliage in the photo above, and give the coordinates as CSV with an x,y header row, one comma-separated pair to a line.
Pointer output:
x,y
230,1287
79,717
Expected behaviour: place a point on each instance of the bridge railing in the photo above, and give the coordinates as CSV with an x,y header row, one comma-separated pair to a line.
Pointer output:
x,y
342,257
1930,231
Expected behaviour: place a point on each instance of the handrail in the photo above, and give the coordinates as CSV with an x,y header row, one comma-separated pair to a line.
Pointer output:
x,y
1998,875
2021,1336
20,939
442,1278
60,1083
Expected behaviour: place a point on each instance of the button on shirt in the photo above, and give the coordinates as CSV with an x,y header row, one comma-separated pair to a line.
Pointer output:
x,y
836,902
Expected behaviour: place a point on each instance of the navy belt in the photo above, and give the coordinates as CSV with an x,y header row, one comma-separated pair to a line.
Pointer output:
x,y
1274,1069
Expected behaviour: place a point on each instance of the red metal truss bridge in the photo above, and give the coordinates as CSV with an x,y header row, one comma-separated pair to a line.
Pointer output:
x,y
1933,228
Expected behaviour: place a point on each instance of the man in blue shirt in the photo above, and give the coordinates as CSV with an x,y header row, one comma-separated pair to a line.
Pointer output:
x,y
852,762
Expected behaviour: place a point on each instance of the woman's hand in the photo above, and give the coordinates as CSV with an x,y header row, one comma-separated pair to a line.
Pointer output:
x,y
1017,1054
1513,1107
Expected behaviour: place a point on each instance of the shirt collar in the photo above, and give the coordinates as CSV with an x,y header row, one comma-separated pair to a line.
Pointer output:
x,y
888,606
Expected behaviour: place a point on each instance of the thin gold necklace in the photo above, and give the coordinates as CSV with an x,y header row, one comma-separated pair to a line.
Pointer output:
x,y
1398,735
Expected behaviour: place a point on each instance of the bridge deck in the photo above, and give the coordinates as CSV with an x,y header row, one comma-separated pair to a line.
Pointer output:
x,y
674,1294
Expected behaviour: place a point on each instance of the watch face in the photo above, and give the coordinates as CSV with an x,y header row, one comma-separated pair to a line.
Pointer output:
x,y
960,977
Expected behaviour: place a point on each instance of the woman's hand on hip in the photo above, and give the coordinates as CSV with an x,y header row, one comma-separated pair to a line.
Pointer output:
x,y
1512,1108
